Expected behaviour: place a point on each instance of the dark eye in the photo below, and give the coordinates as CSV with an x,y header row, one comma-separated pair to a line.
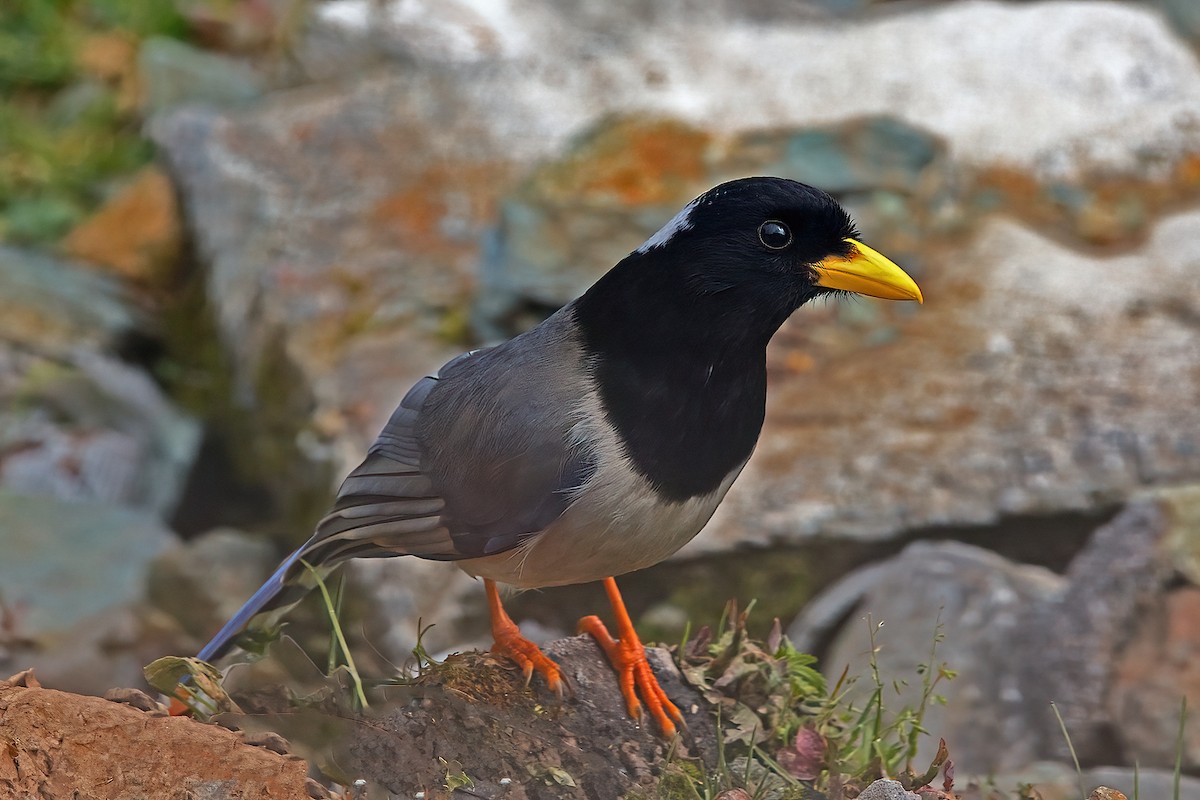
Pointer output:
x,y
774,234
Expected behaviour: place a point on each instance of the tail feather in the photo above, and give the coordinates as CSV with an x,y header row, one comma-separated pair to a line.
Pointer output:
x,y
260,601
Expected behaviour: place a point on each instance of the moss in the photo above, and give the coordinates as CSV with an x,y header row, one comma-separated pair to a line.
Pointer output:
x,y
64,134
198,373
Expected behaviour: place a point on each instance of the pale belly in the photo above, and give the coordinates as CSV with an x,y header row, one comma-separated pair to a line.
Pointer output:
x,y
616,525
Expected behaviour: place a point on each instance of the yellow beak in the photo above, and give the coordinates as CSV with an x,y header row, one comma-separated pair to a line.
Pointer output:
x,y
867,272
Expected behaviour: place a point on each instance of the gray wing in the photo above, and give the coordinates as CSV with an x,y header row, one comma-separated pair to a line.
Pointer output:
x,y
472,461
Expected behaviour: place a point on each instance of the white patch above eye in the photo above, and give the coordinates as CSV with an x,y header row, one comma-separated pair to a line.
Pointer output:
x,y
680,222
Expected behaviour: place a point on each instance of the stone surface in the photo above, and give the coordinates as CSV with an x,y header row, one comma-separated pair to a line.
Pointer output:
x,y
89,427
203,582
137,233
343,226
63,745
981,600
1184,15
987,76
1018,388
1022,637
1159,667
887,790
101,650
57,305
65,561
174,73
577,215
76,422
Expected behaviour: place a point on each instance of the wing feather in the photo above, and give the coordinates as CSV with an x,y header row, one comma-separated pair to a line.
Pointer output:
x,y
472,461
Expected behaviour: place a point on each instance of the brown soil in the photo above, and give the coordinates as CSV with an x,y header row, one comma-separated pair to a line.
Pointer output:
x,y
58,745
468,724
585,747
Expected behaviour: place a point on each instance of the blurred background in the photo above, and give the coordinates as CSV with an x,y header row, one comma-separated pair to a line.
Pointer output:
x,y
235,231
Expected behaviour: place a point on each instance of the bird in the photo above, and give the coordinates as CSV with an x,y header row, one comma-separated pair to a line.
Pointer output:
x,y
601,440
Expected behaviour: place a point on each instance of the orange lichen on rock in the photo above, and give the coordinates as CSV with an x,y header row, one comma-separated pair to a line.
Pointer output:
x,y
438,211
632,162
137,234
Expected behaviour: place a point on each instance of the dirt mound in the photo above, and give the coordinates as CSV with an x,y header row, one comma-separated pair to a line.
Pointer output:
x,y
59,745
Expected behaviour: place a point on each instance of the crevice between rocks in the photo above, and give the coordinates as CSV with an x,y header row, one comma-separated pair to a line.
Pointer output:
x,y
248,472
781,580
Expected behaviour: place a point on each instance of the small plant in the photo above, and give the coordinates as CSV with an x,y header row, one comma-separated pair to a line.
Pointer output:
x,y
421,660
785,733
344,649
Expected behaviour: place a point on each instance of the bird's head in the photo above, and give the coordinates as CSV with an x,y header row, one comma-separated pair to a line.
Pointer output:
x,y
771,241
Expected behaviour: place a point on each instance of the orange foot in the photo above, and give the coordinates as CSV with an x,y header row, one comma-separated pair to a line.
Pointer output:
x,y
510,643
628,657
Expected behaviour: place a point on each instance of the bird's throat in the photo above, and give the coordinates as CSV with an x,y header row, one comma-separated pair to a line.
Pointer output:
x,y
686,397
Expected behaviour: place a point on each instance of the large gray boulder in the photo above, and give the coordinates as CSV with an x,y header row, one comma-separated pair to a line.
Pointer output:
x,y
987,76
342,222
77,422
1098,642
64,561
343,226
1036,379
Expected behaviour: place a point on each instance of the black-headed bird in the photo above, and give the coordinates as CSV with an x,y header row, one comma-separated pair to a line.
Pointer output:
x,y
602,440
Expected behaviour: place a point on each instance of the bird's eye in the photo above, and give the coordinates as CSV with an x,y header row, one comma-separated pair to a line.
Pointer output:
x,y
774,234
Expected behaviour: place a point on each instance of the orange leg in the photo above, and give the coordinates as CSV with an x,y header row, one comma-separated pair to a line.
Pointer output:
x,y
628,657
510,643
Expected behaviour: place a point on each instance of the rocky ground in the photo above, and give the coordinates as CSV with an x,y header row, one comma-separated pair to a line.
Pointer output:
x,y
232,234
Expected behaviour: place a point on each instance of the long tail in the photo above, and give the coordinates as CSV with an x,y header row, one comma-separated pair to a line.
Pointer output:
x,y
262,600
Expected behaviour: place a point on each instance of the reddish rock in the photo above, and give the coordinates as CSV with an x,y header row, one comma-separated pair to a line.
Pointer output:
x,y
136,234
63,745
1157,669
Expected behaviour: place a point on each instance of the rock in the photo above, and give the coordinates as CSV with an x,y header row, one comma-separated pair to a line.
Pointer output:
x,y
175,73
876,153
1016,390
65,561
136,234
342,223
105,649
887,790
1022,638
92,457
62,745
135,698
1150,782
1075,641
1182,505
579,214
981,601
56,305
1156,670
1184,16
76,422
204,581
1128,92
89,427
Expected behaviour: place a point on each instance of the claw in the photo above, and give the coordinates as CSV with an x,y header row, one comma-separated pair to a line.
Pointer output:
x,y
634,676
510,644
